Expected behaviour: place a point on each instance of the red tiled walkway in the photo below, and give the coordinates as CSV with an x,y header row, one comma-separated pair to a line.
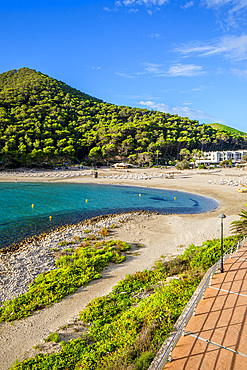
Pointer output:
x,y
216,337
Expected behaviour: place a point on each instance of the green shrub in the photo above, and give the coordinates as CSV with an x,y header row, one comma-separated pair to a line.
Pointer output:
x,y
144,361
209,253
65,243
128,326
53,337
73,270
103,232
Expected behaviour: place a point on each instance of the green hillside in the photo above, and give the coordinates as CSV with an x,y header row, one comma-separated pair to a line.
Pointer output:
x,y
43,120
229,130
25,84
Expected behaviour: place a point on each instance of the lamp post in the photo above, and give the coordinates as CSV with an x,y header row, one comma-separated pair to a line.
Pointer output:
x,y
222,216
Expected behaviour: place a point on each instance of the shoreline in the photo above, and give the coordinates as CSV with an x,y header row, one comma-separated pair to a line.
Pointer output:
x,y
181,183
18,246
60,225
20,267
160,234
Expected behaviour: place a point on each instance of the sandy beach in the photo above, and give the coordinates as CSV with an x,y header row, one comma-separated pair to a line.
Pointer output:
x,y
165,235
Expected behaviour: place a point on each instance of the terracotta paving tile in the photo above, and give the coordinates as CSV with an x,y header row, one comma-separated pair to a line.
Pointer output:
x,y
221,318
195,354
204,356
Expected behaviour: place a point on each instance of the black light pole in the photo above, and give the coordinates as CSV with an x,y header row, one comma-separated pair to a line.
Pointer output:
x,y
222,216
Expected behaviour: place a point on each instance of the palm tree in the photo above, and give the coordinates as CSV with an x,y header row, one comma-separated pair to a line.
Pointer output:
x,y
240,226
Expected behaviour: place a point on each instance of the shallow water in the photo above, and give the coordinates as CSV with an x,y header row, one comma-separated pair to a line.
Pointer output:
x,y
25,208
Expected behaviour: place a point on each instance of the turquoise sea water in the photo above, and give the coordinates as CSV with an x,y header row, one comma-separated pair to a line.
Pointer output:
x,y
67,204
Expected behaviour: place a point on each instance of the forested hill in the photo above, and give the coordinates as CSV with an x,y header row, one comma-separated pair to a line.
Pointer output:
x,y
43,120
227,129
26,84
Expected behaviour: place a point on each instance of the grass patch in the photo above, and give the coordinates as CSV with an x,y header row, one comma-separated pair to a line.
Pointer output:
x,y
90,237
65,243
124,331
128,326
73,271
53,337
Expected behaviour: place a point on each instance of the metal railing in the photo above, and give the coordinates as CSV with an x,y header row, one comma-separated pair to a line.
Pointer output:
x,y
197,296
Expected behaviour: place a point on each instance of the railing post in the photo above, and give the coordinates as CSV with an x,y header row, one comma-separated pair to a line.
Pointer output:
x,y
211,278
181,330
194,307
203,291
237,247
170,355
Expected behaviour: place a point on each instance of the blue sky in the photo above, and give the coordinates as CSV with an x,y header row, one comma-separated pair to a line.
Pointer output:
x,y
182,57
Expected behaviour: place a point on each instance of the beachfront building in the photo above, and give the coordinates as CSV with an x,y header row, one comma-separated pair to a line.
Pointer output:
x,y
235,156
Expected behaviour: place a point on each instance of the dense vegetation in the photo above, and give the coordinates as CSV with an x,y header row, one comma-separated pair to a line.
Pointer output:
x,y
43,120
128,326
75,269
227,129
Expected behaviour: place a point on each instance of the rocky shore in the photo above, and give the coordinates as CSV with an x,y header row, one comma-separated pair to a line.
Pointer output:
x,y
166,235
22,263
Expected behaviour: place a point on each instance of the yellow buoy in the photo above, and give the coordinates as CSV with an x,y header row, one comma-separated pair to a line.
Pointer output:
x,y
32,205
140,195
86,200
175,198
50,217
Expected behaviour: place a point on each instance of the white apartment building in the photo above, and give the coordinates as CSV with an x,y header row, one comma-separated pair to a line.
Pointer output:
x,y
217,157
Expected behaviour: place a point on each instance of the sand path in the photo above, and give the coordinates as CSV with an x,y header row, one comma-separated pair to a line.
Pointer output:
x,y
160,235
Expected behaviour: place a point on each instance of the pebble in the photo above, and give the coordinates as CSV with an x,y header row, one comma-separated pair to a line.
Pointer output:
x,y
20,265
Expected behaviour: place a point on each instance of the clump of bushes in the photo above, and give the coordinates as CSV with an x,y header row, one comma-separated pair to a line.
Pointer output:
x,y
73,271
128,326
65,243
104,232
207,255
53,337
